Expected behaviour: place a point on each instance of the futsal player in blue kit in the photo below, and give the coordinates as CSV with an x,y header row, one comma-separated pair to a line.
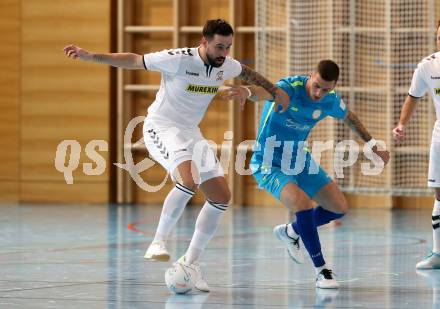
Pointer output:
x,y
294,177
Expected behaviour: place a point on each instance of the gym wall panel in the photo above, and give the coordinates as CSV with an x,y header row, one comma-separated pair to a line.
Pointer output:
x,y
58,192
197,12
62,99
9,191
9,99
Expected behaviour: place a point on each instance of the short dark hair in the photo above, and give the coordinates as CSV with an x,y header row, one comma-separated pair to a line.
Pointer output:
x,y
328,70
216,26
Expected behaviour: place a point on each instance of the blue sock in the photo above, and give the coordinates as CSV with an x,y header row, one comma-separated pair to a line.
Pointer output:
x,y
306,228
321,216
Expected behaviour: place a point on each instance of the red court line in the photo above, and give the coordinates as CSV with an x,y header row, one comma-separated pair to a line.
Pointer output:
x,y
133,227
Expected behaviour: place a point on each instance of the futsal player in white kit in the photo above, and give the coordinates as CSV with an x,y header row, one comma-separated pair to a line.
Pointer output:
x,y
191,78
426,78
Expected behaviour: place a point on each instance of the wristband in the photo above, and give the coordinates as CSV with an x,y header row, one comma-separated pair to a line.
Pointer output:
x,y
249,91
371,143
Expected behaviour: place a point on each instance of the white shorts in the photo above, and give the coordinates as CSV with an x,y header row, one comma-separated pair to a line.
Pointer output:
x,y
434,165
170,146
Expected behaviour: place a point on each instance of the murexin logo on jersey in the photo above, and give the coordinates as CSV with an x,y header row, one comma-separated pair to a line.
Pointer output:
x,y
202,89
437,91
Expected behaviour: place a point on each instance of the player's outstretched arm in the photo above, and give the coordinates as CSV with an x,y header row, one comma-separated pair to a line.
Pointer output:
x,y
242,93
277,94
356,125
408,109
258,93
120,60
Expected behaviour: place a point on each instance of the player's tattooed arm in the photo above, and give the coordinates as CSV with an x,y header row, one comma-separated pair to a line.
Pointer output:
x,y
252,77
258,93
356,125
253,93
120,60
280,97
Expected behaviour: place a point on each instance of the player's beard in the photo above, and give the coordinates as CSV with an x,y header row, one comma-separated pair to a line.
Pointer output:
x,y
215,62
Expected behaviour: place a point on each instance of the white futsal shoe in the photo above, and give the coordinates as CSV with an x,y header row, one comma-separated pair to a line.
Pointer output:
x,y
201,283
431,261
157,252
293,244
325,280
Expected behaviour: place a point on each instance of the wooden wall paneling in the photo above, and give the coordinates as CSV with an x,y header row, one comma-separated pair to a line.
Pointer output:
x,y
121,177
369,201
244,127
413,202
133,14
58,192
9,191
153,14
62,98
10,16
201,10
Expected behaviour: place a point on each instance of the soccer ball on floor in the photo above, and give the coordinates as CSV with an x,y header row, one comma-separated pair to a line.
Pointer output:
x,y
180,278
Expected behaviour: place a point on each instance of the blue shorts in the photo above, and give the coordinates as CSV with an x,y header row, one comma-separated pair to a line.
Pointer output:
x,y
310,180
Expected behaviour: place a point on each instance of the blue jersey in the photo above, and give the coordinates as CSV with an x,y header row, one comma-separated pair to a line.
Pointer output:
x,y
295,124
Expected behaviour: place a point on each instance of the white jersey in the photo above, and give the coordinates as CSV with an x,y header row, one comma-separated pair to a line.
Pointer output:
x,y
427,78
188,85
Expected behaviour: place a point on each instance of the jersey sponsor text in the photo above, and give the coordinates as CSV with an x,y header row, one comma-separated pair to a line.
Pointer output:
x,y
202,89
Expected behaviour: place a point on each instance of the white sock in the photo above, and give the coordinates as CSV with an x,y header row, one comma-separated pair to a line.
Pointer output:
x,y
290,231
173,207
320,268
436,227
206,225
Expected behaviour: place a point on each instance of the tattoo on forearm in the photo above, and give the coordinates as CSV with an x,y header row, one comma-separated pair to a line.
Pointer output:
x,y
98,58
255,78
356,125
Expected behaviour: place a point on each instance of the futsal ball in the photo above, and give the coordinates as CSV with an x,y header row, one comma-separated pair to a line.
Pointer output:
x,y
180,279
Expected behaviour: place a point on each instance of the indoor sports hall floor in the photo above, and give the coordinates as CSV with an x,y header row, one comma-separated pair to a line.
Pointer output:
x,y
73,256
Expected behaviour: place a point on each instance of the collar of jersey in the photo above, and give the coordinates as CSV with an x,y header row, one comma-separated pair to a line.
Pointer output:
x,y
198,58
